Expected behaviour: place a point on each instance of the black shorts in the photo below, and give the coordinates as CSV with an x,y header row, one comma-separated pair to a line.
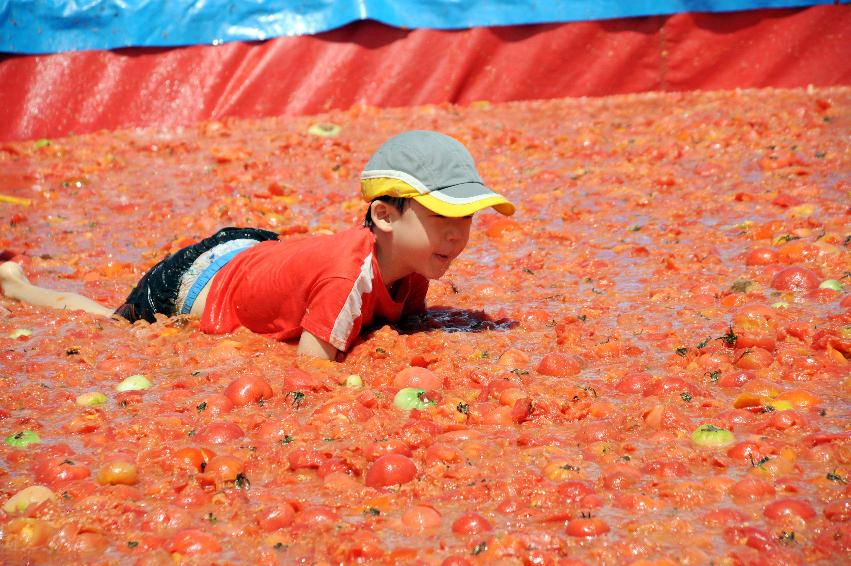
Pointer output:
x,y
158,289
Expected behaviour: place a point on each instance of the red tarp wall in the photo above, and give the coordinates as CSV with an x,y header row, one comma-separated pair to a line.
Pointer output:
x,y
370,63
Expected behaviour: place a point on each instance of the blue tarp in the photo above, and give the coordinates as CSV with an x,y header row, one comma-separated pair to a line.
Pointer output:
x,y
48,26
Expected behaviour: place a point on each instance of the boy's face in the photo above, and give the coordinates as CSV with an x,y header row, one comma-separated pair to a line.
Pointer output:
x,y
427,242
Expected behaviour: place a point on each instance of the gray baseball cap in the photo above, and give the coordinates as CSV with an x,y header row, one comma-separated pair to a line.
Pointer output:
x,y
435,170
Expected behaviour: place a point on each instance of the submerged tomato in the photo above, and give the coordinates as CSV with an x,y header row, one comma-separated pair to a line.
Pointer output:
x,y
795,278
193,542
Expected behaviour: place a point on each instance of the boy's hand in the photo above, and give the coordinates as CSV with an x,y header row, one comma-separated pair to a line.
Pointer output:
x,y
310,345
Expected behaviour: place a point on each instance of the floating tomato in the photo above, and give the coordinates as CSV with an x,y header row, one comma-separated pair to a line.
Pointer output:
x,y
193,542
248,389
390,469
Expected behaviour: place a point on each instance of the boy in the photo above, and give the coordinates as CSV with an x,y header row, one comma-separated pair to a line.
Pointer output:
x,y
423,189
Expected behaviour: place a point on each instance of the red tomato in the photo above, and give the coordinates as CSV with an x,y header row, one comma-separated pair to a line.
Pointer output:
x,y
317,517
761,256
735,379
224,468
797,279
219,433
421,518
390,469
752,358
278,516
787,507
838,511
215,404
635,383
750,488
722,517
299,380
418,377
192,542
574,490
587,527
58,471
471,524
248,389
375,450
560,365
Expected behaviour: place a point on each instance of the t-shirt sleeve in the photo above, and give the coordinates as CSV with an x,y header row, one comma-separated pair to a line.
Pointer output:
x,y
416,301
333,312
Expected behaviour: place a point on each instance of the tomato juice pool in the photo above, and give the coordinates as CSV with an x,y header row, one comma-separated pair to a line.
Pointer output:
x,y
649,361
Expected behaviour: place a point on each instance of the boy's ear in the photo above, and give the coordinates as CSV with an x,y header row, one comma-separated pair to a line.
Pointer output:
x,y
383,214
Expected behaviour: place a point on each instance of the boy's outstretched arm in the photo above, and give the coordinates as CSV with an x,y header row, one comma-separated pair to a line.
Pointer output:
x,y
310,345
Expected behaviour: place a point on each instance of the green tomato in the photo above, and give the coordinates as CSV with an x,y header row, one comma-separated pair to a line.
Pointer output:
x,y
91,399
831,284
23,439
411,398
354,381
712,437
133,383
18,332
780,305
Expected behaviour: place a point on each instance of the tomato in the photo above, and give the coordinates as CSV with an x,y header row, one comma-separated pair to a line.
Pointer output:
x,y
375,450
58,471
248,389
735,379
797,279
587,527
193,542
193,458
838,511
418,377
214,405
274,517
471,524
761,256
750,489
390,469
752,358
785,507
224,468
420,518
118,472
318,517
560,365
219,433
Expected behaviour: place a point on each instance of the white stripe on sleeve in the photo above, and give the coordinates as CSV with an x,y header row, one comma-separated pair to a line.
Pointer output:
x,y
352,307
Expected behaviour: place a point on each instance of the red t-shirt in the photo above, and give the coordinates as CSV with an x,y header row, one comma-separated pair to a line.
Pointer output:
x,y
328,285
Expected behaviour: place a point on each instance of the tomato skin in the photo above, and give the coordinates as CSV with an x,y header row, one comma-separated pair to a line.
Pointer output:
x,y
574,490
193,542
219,433
248,389
750,536
635,383
418,377
620,477
797,279
587,527
721,517
560,365
786,507
746,451
471,524
761,256
390,469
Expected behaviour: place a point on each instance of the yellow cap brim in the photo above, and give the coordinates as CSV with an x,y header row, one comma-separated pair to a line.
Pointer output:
x,y
497,202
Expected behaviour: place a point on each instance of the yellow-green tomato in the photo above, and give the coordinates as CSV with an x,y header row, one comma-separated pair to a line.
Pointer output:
x,y
19,332
411,398
133,383
324,129
32,495
711,436
354,381
831,284
23,439
91,399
